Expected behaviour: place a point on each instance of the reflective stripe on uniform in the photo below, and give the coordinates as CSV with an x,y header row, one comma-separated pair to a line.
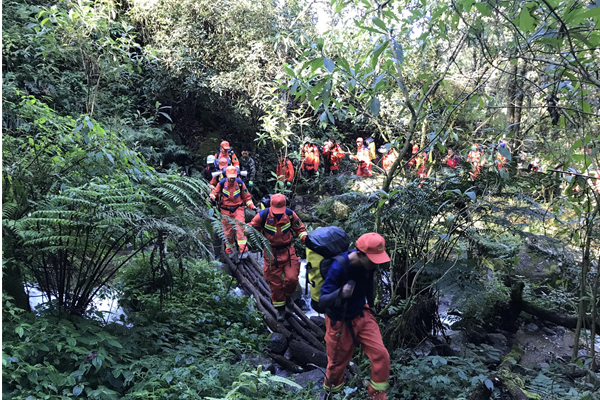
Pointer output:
x,y
286,227
242,242
279,303
226,192
272,229
302,234
333,389
236,193
380,385
249,202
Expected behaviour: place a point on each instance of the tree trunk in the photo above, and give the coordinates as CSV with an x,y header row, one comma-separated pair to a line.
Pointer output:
x,y
12,284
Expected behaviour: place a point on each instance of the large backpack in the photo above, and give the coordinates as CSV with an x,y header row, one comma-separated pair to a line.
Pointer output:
x,y
323,246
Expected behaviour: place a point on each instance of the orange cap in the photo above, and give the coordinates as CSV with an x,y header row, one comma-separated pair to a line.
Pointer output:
x,y
223,162
373,245
231,172
278,203
225,144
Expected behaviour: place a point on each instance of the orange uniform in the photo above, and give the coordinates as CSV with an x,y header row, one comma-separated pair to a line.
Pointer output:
x,y
282,269
413,159
232,197
363,155
422,173
229,155
388,160
333,153
310,157
476,159
285,170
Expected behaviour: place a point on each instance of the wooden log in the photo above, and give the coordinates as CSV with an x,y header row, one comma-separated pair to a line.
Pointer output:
x,y
314,342
503,377
306,354
563,320
285,363
320,334
269,312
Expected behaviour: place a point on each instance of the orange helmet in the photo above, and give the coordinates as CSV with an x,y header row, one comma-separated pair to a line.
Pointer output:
x,y
223,162
231,172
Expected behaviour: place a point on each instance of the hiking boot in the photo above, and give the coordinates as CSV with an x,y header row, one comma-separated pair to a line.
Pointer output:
x,y
289,305
280,314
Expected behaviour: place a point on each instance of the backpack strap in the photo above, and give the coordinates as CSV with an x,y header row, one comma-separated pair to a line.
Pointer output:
x,y
263,215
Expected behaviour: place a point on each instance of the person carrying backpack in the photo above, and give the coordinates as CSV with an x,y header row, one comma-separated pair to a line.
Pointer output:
x,y
232,193
348,295
277,222
226,152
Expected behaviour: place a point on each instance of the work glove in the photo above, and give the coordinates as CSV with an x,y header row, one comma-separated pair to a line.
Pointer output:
x,y
288,184
250,184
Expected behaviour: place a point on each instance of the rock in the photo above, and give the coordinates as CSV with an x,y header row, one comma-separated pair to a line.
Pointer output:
x,y
279,343
424,348
319,321
314,377
561,330
531,327
298,199
339,210
548,331
498,339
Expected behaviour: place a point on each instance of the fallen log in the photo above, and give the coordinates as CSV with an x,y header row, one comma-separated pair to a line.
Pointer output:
x,y
268,312
503,377
306,354
285,363
314,342
516,298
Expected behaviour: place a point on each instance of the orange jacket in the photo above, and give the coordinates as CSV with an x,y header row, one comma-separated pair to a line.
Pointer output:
x,y
310,157
285,170
388,160
230,155
334,154
232,195
364,155
278,232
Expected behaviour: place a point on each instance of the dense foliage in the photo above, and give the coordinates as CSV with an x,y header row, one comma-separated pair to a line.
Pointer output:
x,y
110,109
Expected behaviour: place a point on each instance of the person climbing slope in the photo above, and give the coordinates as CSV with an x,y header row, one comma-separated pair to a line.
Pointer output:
x,y
231,194
363,156
226,152
348,296
332,154
223,163
285,170
277,222
310,158
247,164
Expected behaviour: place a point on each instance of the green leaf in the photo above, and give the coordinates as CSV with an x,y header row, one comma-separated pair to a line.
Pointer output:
x,y
399,52
489,384
329,64
377,52
19,331
71,341
576,145
471,195
314,64
526,21
505,153
77,390
483,9
343,63
379,23
593,13
375,106
585,106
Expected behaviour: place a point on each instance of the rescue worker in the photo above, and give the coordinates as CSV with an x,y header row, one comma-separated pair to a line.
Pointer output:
x,y
226,152
500,159
310,158
477,160
413,158
332,154
423,157
348,296
388,159
247,164
285,170
210,168
281,270
363,156
223,163
452,160
232,194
